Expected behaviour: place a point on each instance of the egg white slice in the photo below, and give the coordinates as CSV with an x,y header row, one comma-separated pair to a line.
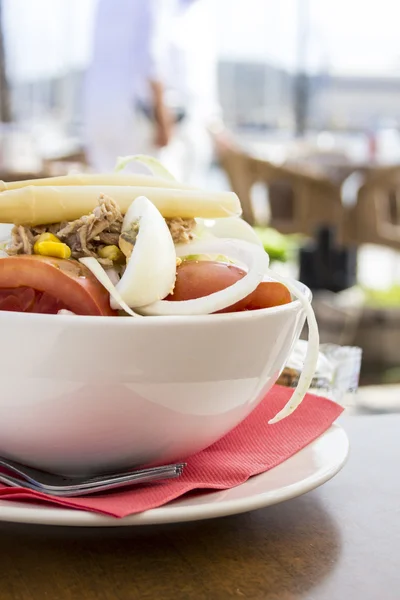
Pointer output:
x,y
151,269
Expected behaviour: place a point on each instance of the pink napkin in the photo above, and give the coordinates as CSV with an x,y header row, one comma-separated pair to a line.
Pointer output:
x,y
253,447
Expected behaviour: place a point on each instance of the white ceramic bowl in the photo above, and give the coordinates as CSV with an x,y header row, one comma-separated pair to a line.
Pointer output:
x,y
81,395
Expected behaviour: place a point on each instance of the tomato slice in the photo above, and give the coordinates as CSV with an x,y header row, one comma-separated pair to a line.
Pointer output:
x,y
40,284
195,279
25,299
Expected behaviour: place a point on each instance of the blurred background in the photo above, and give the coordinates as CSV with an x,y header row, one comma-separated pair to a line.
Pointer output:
x,y
293,104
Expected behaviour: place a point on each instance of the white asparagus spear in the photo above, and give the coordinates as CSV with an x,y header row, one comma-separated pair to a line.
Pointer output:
x,y
37,205
96,179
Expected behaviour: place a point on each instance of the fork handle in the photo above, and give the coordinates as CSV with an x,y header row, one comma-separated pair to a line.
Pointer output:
x,y
77,491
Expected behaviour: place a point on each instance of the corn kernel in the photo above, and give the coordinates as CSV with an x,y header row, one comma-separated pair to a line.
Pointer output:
x,y
112,253
57,249
45,237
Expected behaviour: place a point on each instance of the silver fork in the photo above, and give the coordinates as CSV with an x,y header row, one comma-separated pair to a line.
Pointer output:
x,y
57,485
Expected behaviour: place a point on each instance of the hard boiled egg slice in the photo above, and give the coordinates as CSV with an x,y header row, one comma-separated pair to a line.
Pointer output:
x,y
151,259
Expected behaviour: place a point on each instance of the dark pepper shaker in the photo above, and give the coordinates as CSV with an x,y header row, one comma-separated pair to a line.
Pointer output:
x,y
324,265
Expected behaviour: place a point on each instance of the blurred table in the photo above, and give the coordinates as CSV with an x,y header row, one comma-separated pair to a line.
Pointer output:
x,y
340,541
376,399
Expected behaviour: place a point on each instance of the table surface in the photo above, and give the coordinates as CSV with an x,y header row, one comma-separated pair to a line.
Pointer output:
x,y
339,541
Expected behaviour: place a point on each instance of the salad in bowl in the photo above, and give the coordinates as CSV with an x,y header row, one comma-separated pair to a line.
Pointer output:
x,y
141,320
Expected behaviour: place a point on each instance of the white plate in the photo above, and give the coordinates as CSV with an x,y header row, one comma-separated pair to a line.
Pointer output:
x,y
309,468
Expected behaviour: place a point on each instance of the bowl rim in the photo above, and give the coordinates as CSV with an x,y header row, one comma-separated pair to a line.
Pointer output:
x,y
150,321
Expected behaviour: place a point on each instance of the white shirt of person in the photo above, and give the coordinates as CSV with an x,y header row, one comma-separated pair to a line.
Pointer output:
x,y
134,41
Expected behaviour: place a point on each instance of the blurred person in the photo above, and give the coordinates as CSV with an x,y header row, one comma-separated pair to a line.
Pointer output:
x,y
151,87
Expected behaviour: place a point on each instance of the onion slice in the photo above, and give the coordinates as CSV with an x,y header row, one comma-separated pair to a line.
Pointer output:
x,y
95,267
112,275
154,165
311,359
151,269
255,258
229,227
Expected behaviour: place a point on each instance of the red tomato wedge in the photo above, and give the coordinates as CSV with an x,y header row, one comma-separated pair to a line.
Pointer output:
x,y
39,284
195,279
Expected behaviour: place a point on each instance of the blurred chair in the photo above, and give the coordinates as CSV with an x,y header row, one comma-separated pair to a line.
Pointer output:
x,y
60,165
300,201
241,171
21,175
375,217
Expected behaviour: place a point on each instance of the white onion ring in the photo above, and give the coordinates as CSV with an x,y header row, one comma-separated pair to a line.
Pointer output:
x,y
311,359
95,267
150,162
228,227
113,275
254,257
239,229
